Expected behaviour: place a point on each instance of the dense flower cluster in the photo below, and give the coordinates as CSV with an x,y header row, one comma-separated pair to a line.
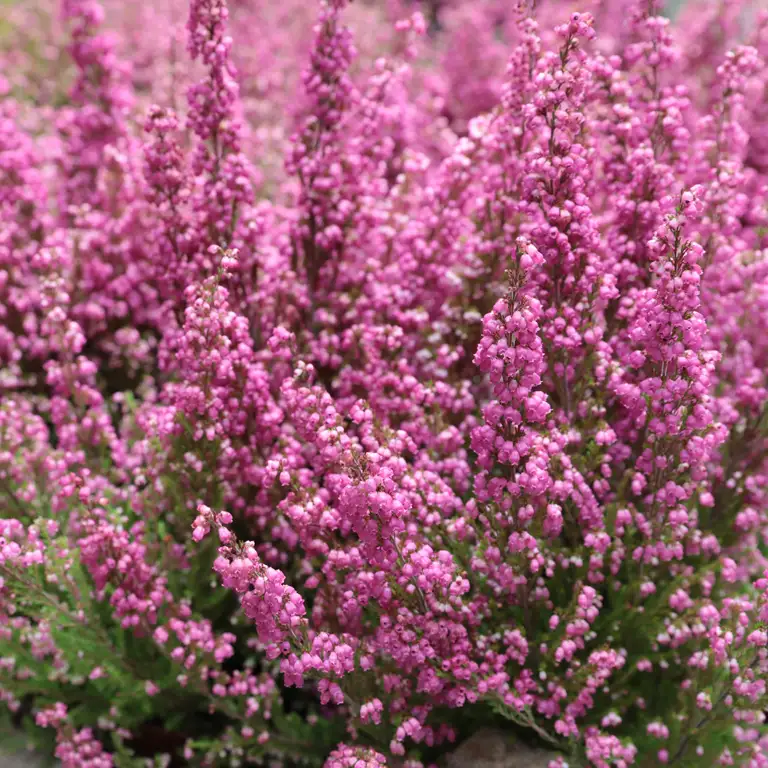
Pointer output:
x,y
400,371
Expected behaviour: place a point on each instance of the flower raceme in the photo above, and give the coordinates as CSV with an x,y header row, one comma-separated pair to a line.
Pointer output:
x,y
359,391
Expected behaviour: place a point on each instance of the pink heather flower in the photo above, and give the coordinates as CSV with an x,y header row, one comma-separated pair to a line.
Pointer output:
x,y
413,356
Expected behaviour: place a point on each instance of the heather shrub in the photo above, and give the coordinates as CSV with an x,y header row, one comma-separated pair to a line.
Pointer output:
x,y
375,372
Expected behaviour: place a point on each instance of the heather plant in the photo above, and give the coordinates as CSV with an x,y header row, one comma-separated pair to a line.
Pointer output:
x,y
375,372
